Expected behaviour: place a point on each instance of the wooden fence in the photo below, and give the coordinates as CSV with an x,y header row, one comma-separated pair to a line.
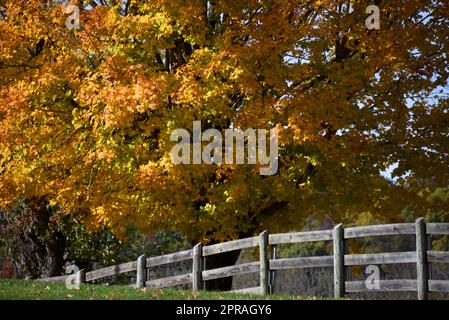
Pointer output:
x,y
268,264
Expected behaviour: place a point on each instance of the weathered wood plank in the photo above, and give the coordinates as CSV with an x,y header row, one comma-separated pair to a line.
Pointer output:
x,y
380,258
264,261
421,259
272,272
170,281
231,270
111,271
197,266
437,228
55,279
439,285
379,230
295,237
384,285
80,277
230,246
438,256
253,290
169,258
141,277
338,259
302,262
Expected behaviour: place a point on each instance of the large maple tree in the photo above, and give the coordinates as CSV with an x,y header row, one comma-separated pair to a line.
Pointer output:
x,y
86,114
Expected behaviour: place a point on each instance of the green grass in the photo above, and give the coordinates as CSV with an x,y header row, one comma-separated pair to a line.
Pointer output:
x,y
37,290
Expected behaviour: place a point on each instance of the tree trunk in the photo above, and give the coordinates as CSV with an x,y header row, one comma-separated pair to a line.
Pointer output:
x,y
217,261
40,247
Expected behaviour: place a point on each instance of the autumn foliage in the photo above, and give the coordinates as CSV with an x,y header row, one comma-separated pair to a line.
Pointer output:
x,y
86,115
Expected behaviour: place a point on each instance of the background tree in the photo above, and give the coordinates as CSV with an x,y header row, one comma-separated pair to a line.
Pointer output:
x,y
86,114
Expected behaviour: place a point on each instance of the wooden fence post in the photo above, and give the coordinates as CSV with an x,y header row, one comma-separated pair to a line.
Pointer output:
x,y
264,268
421,259
204,267
196,267
80,277
339,284
141,271
272,272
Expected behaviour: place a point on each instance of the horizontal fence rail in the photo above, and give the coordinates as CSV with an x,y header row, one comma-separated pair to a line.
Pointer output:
x,y
170,281
438,256
384,285
379,230
111,271
266,265
169,258
296,237
231,271
437,228
302,262
380,258
230,246
439,285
